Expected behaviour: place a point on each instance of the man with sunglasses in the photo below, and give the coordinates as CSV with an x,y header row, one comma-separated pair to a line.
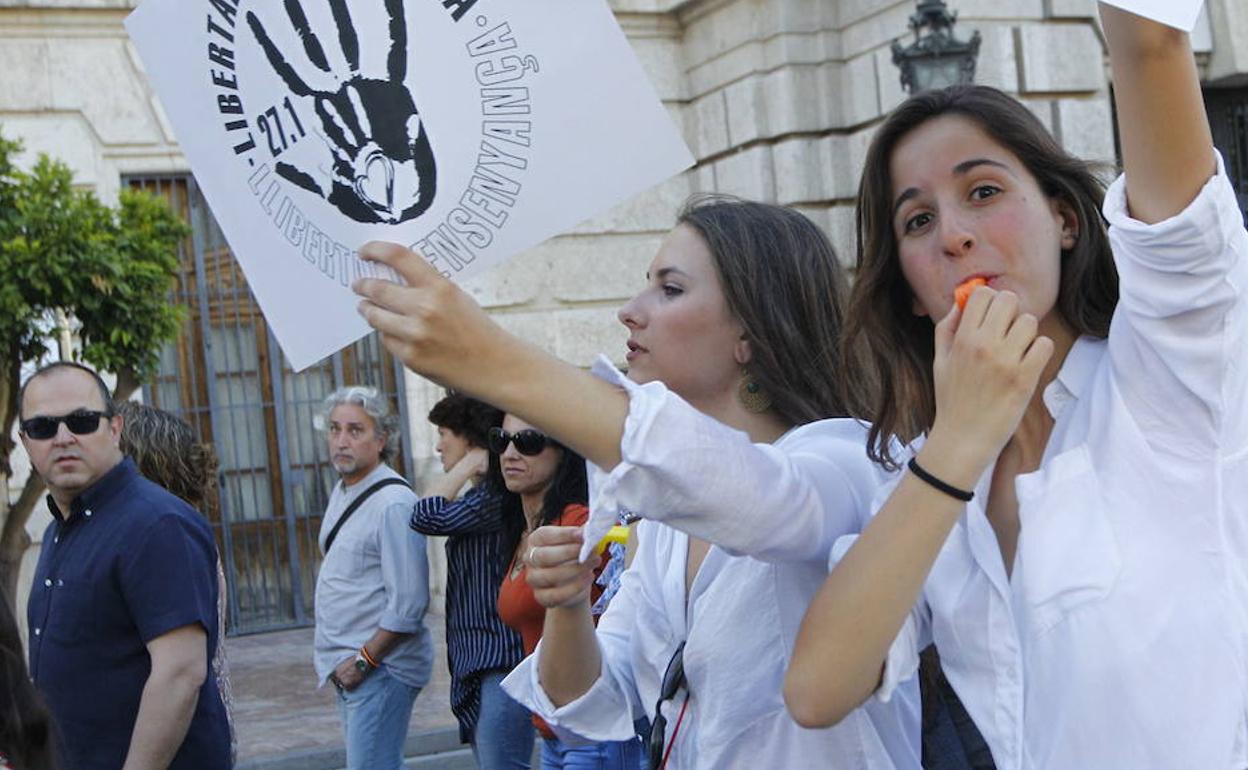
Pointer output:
x,y
123,609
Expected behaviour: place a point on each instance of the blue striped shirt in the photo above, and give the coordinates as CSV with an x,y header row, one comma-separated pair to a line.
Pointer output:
x,y
476,640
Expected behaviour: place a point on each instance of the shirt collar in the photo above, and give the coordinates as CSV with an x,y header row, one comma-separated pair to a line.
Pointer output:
x,y
1072,379
98,494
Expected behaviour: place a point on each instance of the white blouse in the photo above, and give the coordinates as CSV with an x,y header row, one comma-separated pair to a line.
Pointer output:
x,y
1121,639
785,504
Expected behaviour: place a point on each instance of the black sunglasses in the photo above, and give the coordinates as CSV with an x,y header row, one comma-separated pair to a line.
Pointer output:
x,y
673,680
80,422
528,441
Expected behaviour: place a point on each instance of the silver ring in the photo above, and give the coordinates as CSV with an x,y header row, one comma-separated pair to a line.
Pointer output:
x,y
532,551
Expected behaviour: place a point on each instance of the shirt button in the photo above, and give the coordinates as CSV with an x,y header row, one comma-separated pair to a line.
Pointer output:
x,y
48,582
60,583
38,631
56,539
87,513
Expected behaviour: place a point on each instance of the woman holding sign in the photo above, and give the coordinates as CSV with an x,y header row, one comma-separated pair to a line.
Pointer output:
x,y
1071,532
724,438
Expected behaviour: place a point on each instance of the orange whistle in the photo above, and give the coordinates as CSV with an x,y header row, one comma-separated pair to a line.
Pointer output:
x,y
963,292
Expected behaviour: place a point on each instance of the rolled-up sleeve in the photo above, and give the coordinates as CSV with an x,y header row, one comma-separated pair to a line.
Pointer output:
x,y
1180,331
783,502
477,511
902,660
404,571
607,710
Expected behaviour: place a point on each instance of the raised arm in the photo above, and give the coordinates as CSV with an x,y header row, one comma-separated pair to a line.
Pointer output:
x,y
987,364
1167,149
476,512
438,331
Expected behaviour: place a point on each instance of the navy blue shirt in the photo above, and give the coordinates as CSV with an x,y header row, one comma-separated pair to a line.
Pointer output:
x,y
477,642
129,563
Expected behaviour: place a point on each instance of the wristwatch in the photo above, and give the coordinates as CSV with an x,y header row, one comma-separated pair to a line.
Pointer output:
x,y
362,664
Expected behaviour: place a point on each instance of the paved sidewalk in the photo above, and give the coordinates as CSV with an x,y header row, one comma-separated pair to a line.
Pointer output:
x,y
278,710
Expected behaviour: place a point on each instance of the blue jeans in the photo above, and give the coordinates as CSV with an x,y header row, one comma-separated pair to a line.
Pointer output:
x,y
374,719
503,739
609,755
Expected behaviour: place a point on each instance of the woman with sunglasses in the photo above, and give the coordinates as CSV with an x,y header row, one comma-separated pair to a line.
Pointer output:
x,y
724,438
1072,530
545,486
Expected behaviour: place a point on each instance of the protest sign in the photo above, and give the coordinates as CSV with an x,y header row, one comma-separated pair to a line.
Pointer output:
x,y
1181,14
467,129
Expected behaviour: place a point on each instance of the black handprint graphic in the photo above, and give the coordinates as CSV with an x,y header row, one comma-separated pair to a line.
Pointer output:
x,y
381,166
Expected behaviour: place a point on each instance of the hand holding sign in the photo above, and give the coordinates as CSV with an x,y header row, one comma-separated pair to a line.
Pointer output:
x,y
430,324
380,166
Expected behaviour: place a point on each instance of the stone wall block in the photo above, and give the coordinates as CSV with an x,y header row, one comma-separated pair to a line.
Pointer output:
x,y
888,76
1060,57
536,327
970,10
1072,9
579,335
859,91
997,65
663,63
710,125
733,65
865,32
599,268
843,232
517,281
647,212
724,27
745,110
25,85
801,171
748,174
1086,127
1229,22
64,136
96,77
795,100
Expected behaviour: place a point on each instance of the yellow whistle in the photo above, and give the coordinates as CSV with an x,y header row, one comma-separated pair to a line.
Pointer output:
x,y
617,534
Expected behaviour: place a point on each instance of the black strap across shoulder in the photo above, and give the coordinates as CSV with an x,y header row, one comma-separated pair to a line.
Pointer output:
x,y
356,503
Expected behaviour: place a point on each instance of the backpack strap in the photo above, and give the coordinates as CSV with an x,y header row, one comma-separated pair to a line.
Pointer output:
x,y
356,503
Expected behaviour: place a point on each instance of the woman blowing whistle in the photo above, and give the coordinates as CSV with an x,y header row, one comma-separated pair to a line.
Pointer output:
x,y
1071,533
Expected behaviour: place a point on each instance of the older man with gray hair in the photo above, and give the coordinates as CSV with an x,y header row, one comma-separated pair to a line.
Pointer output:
x,y
373,587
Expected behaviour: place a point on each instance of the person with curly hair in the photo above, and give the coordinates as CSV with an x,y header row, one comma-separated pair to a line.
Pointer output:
x,y
165,449
480,649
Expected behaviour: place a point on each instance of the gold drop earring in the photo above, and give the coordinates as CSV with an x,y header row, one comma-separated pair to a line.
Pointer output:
x,y
752,396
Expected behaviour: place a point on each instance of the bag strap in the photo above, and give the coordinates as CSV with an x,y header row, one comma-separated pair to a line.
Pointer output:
x,y
356,503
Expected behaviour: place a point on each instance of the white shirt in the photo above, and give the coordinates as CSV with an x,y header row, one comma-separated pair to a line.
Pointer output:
x,y
1120,641
786,504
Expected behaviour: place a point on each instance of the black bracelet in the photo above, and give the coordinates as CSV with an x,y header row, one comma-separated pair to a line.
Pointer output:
x,y
935,483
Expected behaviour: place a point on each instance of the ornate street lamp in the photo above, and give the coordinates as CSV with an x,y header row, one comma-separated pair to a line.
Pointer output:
x,y
937,59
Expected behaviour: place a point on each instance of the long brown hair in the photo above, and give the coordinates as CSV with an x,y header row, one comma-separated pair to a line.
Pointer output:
x,y
898,344
783,282
166,451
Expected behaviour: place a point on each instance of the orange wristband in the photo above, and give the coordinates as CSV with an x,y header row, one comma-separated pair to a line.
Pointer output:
x,y
368,657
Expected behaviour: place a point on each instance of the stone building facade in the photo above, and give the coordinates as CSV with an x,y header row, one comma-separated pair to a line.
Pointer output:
x,y
776,98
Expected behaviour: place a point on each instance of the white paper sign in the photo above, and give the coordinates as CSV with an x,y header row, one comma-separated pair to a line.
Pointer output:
x,y
1181,14
469,129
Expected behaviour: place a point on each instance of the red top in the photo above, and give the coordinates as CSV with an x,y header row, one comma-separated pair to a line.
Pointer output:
x,y
518,608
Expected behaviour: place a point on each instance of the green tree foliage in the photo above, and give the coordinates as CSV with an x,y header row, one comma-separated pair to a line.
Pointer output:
x,y
66,254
